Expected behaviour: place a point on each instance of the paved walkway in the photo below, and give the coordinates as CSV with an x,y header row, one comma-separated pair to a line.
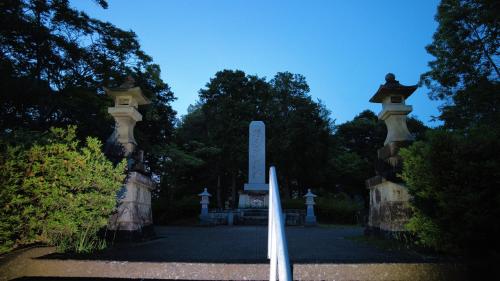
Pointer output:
x,y
232,253
248,244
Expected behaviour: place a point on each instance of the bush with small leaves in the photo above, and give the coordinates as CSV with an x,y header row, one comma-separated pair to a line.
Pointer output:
x,y
56,191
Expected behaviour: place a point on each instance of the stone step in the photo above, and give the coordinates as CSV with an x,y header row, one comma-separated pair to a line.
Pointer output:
x,y
252,221
255,213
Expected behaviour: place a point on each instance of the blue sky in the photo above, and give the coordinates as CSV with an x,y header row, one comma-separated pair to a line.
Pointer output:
x,y
344,48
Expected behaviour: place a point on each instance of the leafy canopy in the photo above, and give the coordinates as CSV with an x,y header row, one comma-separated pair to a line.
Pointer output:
x,y
54,61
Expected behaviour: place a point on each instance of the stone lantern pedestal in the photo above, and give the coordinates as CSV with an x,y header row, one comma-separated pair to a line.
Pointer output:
x,y
133,218
389,199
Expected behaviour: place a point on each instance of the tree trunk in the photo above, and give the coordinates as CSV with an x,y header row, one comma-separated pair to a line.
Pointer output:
x,y
233,190
219,193
286,188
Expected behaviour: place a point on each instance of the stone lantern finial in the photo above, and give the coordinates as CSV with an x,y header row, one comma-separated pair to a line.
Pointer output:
x,y
128,83
390,78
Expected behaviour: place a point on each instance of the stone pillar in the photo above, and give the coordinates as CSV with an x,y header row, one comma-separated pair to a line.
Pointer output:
x,y
310,217
255,192
133,218
389,198
257,157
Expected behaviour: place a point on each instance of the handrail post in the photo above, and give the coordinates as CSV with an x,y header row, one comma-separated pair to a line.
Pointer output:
x,y
277,245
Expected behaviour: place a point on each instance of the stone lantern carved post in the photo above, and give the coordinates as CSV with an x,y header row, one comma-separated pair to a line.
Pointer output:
x,y
133,218
389,209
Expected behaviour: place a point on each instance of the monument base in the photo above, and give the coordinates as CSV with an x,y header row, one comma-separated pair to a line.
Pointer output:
x,y
133,217
259,187
253,200
389,205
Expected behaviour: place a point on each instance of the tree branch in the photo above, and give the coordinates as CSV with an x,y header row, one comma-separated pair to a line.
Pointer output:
x,y
485,51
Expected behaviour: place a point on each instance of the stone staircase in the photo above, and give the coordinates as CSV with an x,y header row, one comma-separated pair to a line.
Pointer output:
x,y
260,217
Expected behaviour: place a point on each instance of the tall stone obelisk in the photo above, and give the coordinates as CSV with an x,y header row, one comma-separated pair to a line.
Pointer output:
x,y
255,192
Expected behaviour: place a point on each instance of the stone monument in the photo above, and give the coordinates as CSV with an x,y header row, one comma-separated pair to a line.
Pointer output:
x,y
255,192
133,218
389,208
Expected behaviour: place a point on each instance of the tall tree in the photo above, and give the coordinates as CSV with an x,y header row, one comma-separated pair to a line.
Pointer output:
x,y
465,69
54,61
297,132
453,175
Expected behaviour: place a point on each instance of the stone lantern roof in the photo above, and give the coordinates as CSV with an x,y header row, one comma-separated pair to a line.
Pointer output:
x,y
309,194
392,88
205,193
127,95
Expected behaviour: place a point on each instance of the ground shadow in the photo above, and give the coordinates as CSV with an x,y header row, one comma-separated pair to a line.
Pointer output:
x,y
248,244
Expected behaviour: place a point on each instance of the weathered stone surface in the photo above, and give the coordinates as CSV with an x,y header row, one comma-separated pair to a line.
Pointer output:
x,y
391,149
255,194
134,210
389,206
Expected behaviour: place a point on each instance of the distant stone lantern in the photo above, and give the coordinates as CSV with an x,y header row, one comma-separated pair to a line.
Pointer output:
x,y
127,98
310,217
392,96
205,200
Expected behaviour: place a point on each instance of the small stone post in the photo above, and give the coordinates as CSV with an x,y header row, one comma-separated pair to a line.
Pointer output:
x,y
205,200
310,217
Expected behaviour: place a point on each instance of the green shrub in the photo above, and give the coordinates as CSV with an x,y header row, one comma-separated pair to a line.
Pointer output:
x,y
56,191
339,209
454,180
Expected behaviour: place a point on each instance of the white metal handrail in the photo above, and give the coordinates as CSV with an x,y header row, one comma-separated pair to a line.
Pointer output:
x,y
277,249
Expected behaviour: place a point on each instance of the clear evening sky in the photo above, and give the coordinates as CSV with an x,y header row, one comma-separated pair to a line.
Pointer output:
x,y
344,48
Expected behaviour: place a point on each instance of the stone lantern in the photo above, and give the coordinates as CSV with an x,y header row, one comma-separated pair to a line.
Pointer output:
x,y
133,219
310,217
205,200
389,199
127,98
392,96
